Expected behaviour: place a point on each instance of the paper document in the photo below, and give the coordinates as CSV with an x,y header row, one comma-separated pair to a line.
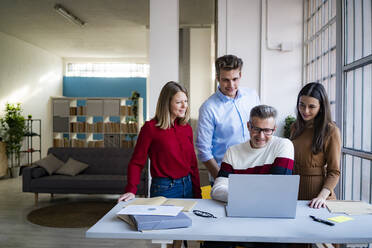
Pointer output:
x,y
349,207
187,204
151,210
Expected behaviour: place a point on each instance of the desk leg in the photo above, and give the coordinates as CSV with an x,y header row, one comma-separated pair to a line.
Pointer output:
x,y
163,243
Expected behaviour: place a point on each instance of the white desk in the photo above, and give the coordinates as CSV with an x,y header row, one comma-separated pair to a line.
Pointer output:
x,y
300,230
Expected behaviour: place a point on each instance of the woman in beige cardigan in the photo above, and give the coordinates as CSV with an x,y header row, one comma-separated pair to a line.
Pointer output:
x,y
317,144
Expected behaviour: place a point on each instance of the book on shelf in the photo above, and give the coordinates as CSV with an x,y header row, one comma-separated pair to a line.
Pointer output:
x,y
129,127
78,143
126,110
58,142
98,127
81,110
112,127
81,127
96,143
89,127
73,110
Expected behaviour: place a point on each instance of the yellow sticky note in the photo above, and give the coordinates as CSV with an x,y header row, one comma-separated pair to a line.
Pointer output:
x,y
340,219
206,192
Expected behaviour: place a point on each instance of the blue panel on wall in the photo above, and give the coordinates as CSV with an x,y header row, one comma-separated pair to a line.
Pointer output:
x,y
98,136
130,137
97,119
81,118
81,136
104,87
115,119
81,102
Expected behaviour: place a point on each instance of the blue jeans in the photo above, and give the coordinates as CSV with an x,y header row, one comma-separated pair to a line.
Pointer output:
x,y
171,188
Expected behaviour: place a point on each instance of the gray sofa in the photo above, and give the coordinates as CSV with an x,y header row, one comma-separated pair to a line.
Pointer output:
x,y
106,174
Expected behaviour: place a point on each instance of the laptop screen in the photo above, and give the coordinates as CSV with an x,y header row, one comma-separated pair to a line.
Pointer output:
x,y
253,195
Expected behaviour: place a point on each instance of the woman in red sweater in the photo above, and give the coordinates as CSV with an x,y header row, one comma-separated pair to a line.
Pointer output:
x,y
167,140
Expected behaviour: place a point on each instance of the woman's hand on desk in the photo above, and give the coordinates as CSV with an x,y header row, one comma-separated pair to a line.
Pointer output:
x,y
126,197
318,202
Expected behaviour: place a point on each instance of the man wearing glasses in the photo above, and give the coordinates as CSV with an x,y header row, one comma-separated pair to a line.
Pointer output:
x,y
263,153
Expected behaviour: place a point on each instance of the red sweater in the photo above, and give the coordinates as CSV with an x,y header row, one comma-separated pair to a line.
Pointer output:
x,y
171,153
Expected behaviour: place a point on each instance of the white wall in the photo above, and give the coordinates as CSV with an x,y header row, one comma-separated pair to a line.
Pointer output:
x,y
239,34
30,75
163,50
282,71
201,80
276,75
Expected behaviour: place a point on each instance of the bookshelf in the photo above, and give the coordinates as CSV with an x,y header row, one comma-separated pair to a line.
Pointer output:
x,y
95,122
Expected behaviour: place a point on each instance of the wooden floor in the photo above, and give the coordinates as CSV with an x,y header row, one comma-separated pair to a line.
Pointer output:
x,y
16,231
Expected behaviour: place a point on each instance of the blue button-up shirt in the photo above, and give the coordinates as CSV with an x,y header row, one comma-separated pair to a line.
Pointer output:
x,y
223,122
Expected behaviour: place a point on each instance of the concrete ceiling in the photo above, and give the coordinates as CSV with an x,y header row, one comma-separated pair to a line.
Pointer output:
x,y
115,28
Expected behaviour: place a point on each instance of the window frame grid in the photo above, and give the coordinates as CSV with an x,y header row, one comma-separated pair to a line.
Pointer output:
x,y
348,66
343,40
313,60
319,55
106,69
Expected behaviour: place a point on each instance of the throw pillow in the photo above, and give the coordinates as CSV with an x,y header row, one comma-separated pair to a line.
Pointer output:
x,y
50,163
72,167
38,172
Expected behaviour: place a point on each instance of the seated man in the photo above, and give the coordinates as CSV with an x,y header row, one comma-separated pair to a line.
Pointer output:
x,y
263,153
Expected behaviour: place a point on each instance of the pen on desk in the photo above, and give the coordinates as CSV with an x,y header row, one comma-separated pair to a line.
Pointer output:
x,y
322,221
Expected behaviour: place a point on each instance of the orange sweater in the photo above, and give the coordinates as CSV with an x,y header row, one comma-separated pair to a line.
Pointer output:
x,y
320,170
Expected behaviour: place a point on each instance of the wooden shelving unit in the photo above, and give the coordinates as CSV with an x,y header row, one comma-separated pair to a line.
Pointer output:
x,y
95,122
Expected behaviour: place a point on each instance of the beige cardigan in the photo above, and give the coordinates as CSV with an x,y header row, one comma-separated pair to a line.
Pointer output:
x,y
320,170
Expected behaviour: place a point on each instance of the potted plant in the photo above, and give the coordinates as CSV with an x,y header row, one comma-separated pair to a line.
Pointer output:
x,y
13,129
287,127
134,98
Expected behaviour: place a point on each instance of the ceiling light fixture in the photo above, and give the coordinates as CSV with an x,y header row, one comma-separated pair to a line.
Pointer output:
x,y
68,15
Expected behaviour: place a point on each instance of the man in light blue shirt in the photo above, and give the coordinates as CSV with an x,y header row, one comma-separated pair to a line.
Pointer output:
x,y
223,116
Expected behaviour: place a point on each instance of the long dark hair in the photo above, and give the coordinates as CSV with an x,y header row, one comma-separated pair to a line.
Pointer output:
x,y
321,120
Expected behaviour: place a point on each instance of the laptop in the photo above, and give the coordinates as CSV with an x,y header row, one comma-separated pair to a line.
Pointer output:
x,y
262,196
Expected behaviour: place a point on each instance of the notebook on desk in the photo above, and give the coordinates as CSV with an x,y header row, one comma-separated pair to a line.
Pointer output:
x,y
260,196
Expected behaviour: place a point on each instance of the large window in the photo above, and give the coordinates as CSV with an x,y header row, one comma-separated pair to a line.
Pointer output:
x,y
338,54
106,70
320,46
357,102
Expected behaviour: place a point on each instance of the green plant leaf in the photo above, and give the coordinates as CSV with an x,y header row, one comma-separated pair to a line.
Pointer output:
x,y
287,127
13,128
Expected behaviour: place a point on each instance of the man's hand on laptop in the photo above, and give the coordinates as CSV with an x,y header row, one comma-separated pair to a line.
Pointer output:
x,y
126,197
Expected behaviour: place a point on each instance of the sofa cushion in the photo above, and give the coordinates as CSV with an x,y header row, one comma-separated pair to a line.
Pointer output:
x,y
39,172
72,167
82,183
50,163
103,161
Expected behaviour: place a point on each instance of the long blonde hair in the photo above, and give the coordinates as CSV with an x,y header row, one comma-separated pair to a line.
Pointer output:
x,y
162,113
